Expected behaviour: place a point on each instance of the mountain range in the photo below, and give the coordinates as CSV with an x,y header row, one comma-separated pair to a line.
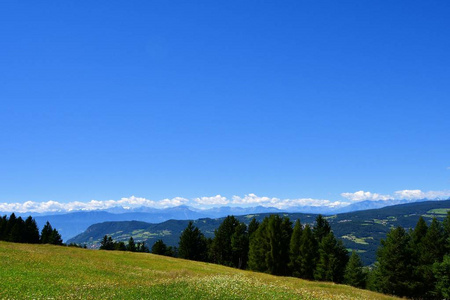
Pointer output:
x,y
73,223
360,230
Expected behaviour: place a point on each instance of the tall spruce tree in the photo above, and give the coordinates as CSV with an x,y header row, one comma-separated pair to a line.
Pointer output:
x,y
239,246
446,226
333,258
221,251
252,227
159,247
17,233
258,248
3,224
308,254
107,243
193,244
441,272
46,233
354,272
419,283
321,228
394,269
31,231
131,246
294,263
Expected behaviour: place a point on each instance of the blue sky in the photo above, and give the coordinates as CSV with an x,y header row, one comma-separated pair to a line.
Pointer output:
x,y
164,99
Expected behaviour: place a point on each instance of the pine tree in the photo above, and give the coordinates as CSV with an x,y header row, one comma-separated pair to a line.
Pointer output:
x,y
321,228
258,248
308,256
441,272
279,231
221,251
394,269
446,228
252,227
46,233
159,247
9,226
3,225
332,260
239,246
107,243
294,263
55,238
354,273
119,246
31,231
17,233
192,244
131,245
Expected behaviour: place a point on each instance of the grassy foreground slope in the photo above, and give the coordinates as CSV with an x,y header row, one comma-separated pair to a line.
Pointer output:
x,y
45,271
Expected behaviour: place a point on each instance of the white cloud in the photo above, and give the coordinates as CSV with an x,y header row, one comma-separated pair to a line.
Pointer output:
x,y
253,199
218,200
54,206
418,194
288,203
403,194
361,195
215,200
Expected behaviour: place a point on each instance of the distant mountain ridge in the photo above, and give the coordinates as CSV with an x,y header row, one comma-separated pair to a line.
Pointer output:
x,y
360,230
73,223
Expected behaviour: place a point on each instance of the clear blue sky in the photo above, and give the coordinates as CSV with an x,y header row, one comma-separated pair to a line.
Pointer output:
x,y
159,99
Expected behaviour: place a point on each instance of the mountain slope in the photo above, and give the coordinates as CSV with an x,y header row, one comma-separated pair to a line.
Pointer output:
x,y
45,271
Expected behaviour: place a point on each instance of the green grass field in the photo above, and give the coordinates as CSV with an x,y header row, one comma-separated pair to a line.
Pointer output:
x,y
52,272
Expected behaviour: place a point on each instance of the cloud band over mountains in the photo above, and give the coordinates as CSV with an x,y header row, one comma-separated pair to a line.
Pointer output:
x,y
214,201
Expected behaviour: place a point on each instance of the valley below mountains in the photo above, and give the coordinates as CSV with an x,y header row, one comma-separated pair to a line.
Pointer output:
x,y
360,230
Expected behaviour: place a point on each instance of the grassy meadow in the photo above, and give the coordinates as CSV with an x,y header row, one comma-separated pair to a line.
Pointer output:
x,y
54,272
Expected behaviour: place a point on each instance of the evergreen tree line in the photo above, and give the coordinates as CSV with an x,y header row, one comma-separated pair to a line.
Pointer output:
x,y
415,263
108,243
277,247
15,229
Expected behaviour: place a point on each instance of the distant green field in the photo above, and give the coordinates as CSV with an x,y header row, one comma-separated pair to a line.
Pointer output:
x,y
439,211
52,272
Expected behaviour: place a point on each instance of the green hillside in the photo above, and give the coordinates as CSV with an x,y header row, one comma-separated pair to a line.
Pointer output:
x,y
361,230
45,271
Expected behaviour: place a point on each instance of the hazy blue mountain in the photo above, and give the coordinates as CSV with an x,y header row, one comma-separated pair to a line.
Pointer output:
x,y
71,224
74,223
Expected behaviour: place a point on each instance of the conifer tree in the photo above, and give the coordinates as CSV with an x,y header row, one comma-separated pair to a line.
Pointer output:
x,y
239,246
17,233
46,233
3,224
107,243
131,245
258,248
119,246
31,231
394,268
252,227
221,251
55,238
446,228
308,250
420,271
321,228
354,273
332,260
192,244
441,272
159,247
294,263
